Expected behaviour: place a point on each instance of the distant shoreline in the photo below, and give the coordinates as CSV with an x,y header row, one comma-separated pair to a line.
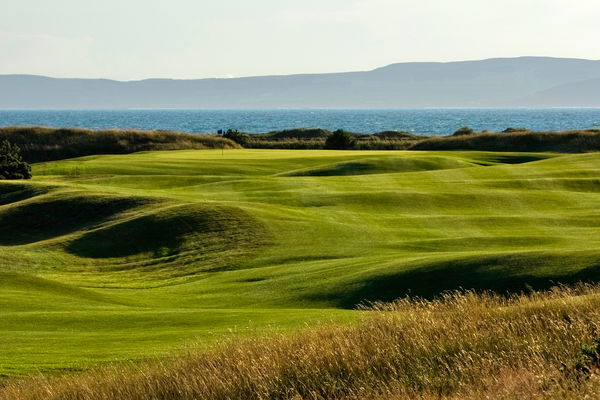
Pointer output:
x,y
496,82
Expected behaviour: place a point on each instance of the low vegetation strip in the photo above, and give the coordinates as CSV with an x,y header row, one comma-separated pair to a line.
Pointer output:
x,y
308,138
523,141
460,346
512,140
39,144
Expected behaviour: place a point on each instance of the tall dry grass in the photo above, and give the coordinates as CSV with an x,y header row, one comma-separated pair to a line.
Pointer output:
x,y
461,346
563,142
47,144
517,140
364,142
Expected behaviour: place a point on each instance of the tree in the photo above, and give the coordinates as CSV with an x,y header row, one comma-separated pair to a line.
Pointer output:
x,y
340,140
12,165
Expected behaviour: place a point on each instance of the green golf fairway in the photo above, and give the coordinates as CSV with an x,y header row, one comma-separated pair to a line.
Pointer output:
x,y
125,257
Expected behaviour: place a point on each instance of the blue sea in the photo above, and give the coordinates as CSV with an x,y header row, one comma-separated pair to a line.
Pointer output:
x,y
417,121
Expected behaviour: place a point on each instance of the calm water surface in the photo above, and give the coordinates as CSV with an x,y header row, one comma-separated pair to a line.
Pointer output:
x,y
419,121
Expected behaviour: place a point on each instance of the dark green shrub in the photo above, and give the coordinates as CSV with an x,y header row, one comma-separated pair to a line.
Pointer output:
x,y
589,358
240,138
12,165
465,130
340,140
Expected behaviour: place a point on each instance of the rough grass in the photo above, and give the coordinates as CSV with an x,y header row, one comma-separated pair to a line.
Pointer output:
x,y
461,346
47,144
315,139
511,140
564,142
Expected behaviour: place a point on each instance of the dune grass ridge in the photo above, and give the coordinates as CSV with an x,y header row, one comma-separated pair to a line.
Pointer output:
x,y
512,139
46,144
577,141
40,144
462,345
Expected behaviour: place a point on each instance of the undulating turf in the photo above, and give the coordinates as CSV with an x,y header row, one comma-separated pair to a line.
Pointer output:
x,y
118,257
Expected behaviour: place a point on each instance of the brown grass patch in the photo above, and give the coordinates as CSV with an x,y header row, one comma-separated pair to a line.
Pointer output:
x,y
461,346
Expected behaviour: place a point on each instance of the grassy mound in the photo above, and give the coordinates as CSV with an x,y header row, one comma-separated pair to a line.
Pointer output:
x,y
23,292
461,346
382,166
515,158
45,144
15,192
50,216
501,273
208,229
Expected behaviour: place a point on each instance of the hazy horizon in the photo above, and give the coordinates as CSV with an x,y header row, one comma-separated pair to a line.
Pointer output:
x,y
315,73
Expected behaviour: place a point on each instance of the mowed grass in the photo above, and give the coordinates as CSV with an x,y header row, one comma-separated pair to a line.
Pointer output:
x,y
117,257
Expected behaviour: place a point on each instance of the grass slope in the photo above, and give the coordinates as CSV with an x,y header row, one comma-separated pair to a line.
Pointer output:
x,y
119,257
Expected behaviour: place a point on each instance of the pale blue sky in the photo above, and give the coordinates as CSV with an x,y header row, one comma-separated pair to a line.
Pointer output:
x,y
135,39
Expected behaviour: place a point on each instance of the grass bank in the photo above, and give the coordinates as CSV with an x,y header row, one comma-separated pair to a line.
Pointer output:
x,y
543,345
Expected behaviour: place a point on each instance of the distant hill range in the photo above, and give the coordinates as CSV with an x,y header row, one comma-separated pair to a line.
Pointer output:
x,y
500,82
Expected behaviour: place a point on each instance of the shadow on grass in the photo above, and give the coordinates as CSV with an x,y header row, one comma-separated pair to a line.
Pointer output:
x,y
151,233
503,274
516,158
13,193
49,217
380,166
